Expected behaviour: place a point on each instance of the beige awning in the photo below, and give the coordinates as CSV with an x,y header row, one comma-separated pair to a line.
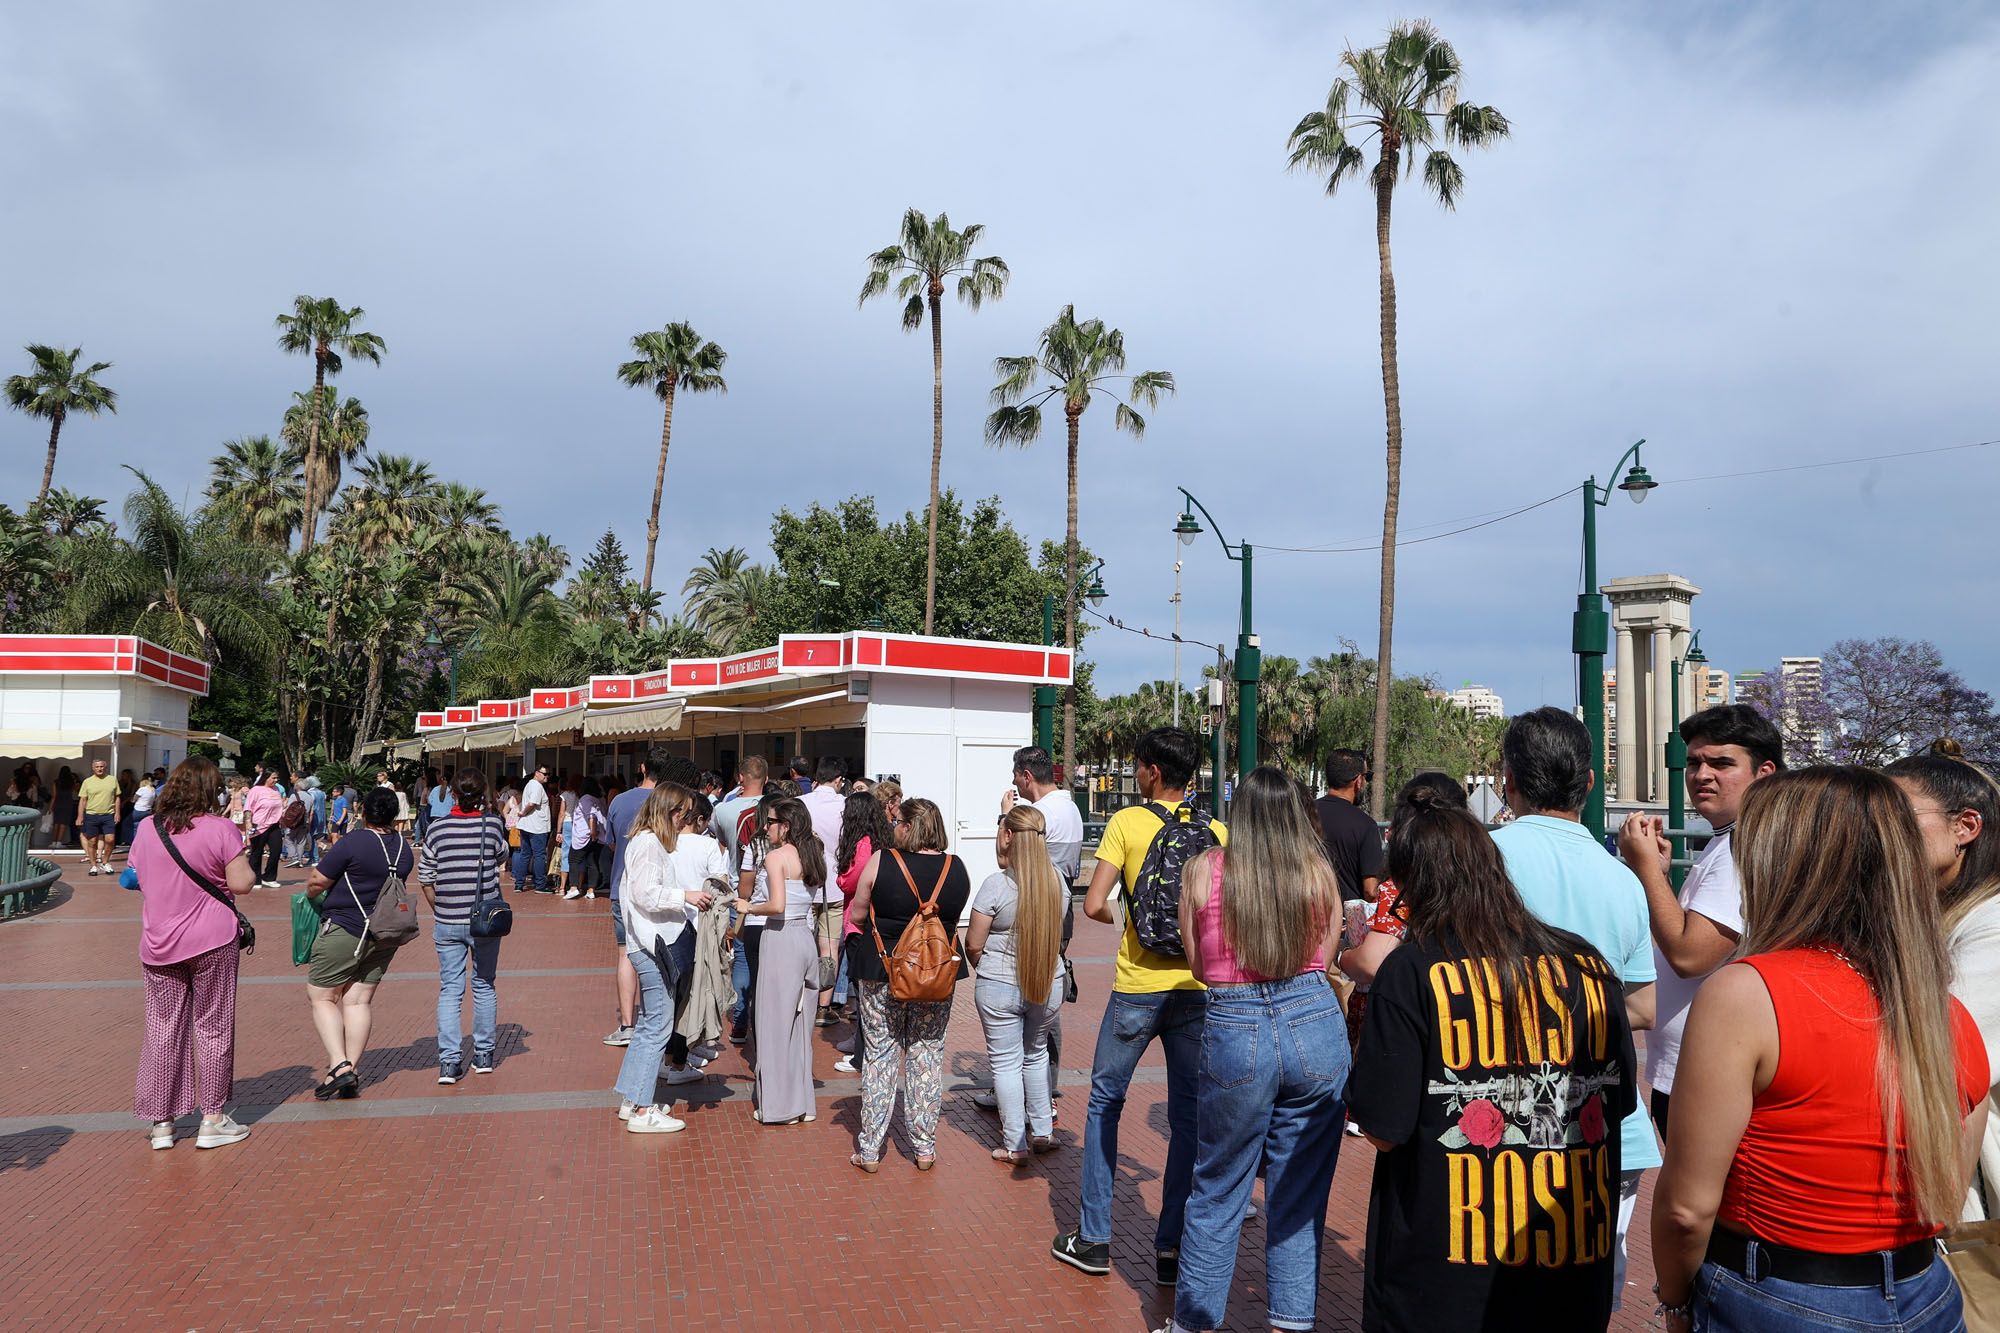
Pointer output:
x,y
635,719
407,749
501,737
47,742
551,724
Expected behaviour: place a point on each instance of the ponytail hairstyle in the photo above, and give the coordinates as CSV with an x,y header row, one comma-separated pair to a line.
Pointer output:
x,y
1961,789
1451,878
1038,909
1279,894
1830,858
799,836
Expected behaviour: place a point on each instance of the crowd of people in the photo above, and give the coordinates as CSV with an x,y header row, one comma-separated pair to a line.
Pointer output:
x,y
1816,999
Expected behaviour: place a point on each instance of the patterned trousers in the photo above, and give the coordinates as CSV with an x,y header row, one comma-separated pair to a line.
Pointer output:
x,y
902,1044
189,1058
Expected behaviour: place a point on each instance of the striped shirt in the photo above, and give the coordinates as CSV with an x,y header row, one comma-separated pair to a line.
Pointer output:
x,y
462,859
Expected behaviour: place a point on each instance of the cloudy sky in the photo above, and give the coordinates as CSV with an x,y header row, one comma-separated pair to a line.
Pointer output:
x,y
1759,242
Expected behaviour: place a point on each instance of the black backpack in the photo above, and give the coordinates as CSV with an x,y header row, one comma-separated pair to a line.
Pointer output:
x,y
1156,897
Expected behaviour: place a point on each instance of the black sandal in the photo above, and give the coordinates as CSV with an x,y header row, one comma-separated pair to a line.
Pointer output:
x,y
337,1083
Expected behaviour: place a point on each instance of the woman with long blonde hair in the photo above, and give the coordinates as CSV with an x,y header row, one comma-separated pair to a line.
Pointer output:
x,y
1259,919
1957,805
660,908
1014,942
1831,1094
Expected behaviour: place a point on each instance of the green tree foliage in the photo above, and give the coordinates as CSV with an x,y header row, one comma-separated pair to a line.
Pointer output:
x,y
259,488
841,568
1403,94
64,513
53,389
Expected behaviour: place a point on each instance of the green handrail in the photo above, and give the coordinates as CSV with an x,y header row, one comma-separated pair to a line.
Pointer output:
x,y
25,880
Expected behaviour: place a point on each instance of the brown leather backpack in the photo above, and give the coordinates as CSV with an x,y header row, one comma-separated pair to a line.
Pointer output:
x,y
924,963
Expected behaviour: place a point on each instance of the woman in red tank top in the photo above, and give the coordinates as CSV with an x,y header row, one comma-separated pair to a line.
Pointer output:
x,y
1830,1091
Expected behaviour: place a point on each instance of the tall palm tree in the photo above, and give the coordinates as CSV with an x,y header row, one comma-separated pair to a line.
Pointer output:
x,y
54,389
320,327
255,486
343,437
184,580
1404,94
391,496
669,360
928,254
67,514
1079,362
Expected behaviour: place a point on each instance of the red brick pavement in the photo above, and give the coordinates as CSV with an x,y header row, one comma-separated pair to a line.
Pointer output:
x,y
516,1200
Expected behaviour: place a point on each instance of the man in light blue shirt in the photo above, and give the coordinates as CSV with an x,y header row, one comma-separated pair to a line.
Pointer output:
x,y
1573,884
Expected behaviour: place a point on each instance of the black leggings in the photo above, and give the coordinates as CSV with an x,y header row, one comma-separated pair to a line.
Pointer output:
x,y
1659,1102
590,864
264,853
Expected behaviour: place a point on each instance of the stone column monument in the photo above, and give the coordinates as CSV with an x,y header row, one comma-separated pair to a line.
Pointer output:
x,y
1652,616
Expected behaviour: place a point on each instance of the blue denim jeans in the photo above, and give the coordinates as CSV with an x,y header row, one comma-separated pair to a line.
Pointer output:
x,y
531,859
1726,1302
456,946
1274,1062
739,978
1017,1050
1131,1021
639,1075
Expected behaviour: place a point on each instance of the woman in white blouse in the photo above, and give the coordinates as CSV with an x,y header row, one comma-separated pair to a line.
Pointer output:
x,y
658,910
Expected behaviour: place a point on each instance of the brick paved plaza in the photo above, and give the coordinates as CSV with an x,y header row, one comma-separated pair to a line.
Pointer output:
x,y
516,1200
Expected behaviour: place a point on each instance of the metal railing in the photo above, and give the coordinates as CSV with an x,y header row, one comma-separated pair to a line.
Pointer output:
x,y
25,880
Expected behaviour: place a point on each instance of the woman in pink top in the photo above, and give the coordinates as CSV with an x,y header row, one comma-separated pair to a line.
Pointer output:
x,y
864,828
263,807
187,948
1259,922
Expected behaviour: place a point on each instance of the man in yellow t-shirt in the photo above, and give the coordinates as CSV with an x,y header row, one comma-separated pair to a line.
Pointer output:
x,y
98,797
1153,995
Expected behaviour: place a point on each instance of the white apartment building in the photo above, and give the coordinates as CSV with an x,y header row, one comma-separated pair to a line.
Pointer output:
x,y
1477,700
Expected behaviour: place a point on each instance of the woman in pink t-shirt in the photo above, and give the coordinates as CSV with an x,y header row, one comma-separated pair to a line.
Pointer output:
x,y
187,948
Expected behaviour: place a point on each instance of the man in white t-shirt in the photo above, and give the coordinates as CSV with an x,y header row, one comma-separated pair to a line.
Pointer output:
x,y
731,819
1729,747
533,826
826,803
1035,782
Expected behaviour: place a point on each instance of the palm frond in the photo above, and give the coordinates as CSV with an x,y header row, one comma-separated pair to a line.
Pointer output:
x,y
1444,177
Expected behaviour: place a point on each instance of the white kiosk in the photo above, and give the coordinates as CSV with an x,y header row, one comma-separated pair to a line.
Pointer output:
x,y
942,716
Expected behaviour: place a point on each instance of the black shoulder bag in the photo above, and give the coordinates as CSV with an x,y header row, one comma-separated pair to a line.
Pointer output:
x,y
491,917
246,934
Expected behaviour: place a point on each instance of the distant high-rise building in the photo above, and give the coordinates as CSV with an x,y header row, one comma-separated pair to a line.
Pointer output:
x,y
1709,687
1477,700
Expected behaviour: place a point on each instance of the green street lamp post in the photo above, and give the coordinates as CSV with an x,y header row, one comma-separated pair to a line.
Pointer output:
x,y
1249,658
1591,628
1677,762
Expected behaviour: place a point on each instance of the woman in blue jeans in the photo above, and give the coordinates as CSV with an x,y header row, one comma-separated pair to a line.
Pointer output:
x,y
1259,921
660,916
463,853
1015,942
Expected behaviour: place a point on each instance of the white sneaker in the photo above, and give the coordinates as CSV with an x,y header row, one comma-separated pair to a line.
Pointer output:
x,y
268,884
653,1120
625,1109
104,867
705,1052
680,1076
162,1134
93,870
1353,1130
620,1036
221,1133
845,1064
572,895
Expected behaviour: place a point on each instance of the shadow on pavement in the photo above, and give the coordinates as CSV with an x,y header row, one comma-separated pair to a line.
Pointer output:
x,y
31,1149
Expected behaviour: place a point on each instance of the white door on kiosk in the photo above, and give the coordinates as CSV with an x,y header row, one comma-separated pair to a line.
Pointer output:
x,y
985,769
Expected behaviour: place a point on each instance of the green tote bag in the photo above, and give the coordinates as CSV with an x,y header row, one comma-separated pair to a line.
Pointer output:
x,y
305,928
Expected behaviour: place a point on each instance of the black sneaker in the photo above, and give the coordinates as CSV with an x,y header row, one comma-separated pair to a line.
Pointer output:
x,y
1084,1256
451,1071
1167,1267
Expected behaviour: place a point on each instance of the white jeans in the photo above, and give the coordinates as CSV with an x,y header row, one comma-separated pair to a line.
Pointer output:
x,y
1017,1049
1628,1199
